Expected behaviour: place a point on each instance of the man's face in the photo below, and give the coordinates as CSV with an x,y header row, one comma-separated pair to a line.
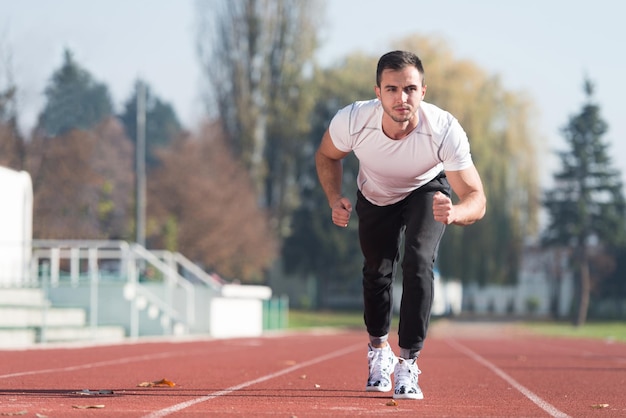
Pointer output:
x,y
401,93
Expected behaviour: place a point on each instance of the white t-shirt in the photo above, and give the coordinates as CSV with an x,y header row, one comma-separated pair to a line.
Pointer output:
x,y
389,170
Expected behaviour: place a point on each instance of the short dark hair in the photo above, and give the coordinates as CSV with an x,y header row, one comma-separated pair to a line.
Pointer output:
x,y
397,60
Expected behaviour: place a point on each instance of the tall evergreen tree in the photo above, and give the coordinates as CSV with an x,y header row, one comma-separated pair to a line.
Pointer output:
x,y
586,206
74,100
162,124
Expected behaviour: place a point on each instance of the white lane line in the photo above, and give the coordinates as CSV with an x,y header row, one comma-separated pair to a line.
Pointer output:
x,y
546,406
146,357
179,407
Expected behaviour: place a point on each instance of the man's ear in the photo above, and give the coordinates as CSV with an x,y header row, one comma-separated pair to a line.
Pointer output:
x,y
377,91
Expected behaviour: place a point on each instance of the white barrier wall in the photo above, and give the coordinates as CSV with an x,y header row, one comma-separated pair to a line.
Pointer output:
x,y
232,317
16,219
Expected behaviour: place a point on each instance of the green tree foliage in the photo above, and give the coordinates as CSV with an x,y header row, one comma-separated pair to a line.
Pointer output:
x,y
202,203
586,206
613,288
498,123
317,247
255,55
74,100
162,124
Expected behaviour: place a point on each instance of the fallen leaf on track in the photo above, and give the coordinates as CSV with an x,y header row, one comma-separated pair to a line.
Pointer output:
x,y
162,382
392,403
600,406
87,406
12,414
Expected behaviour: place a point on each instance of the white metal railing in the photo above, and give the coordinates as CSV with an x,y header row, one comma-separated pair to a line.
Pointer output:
x,y
188,269
126,262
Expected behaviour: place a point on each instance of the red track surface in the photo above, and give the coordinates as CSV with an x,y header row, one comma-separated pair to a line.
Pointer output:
x,y
467,371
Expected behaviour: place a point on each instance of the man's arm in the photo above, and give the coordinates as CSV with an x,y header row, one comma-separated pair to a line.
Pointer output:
x,y
330,172
472,204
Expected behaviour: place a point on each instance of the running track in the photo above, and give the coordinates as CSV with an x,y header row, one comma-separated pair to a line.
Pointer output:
x,y
468,370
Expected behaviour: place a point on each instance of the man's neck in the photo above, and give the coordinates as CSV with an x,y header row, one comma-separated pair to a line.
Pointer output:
x,y
399,130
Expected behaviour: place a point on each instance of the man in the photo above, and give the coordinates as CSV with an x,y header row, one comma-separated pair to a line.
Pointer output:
x,y
410,153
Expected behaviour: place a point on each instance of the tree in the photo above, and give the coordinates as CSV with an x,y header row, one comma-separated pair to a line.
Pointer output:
x,y
504,148
162,124
74,100
256,54
586,207
12,146
82,183
203,205
497,123
316,247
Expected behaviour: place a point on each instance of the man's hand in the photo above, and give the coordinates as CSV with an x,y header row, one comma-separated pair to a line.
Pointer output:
x,y
341,210
443,209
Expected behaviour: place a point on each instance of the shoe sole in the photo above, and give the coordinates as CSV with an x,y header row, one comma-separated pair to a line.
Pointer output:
x,y
377,389
408,396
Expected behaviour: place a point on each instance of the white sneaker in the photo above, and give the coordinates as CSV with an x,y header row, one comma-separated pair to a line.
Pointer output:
x,y
405,375
381,364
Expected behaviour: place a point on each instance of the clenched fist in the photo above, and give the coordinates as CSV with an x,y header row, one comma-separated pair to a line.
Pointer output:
x,y
443,209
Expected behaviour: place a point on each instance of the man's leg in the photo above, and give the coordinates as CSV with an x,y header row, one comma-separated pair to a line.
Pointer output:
x,y
379,234
422,237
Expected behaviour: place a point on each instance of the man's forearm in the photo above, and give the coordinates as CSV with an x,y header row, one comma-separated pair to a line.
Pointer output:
x,y
329,173
471,209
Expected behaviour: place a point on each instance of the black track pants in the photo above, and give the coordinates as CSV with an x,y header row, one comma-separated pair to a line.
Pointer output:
x,y
380,235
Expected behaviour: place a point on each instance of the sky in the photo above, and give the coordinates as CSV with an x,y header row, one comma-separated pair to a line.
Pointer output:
x,y
542,48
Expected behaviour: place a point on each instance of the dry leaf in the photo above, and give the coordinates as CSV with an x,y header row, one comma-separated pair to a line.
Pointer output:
x,y
88,406
317,386
600,406
12,414
392,403
162,382
41,416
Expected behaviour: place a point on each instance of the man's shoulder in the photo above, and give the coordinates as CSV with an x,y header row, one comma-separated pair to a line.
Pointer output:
x,y
438,119
360,115
361,107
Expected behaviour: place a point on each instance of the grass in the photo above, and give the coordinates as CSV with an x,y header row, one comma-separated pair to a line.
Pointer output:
x,y
313,319
610,330
614,330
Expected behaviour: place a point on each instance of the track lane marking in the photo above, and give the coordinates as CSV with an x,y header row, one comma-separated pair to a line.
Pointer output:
x,y
541,403
180,406
146,357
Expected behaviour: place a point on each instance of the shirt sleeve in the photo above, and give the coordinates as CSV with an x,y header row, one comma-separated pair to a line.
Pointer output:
x,y
339,130
455,148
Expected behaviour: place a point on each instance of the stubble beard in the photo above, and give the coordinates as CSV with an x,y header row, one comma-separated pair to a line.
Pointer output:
x,y
402,119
